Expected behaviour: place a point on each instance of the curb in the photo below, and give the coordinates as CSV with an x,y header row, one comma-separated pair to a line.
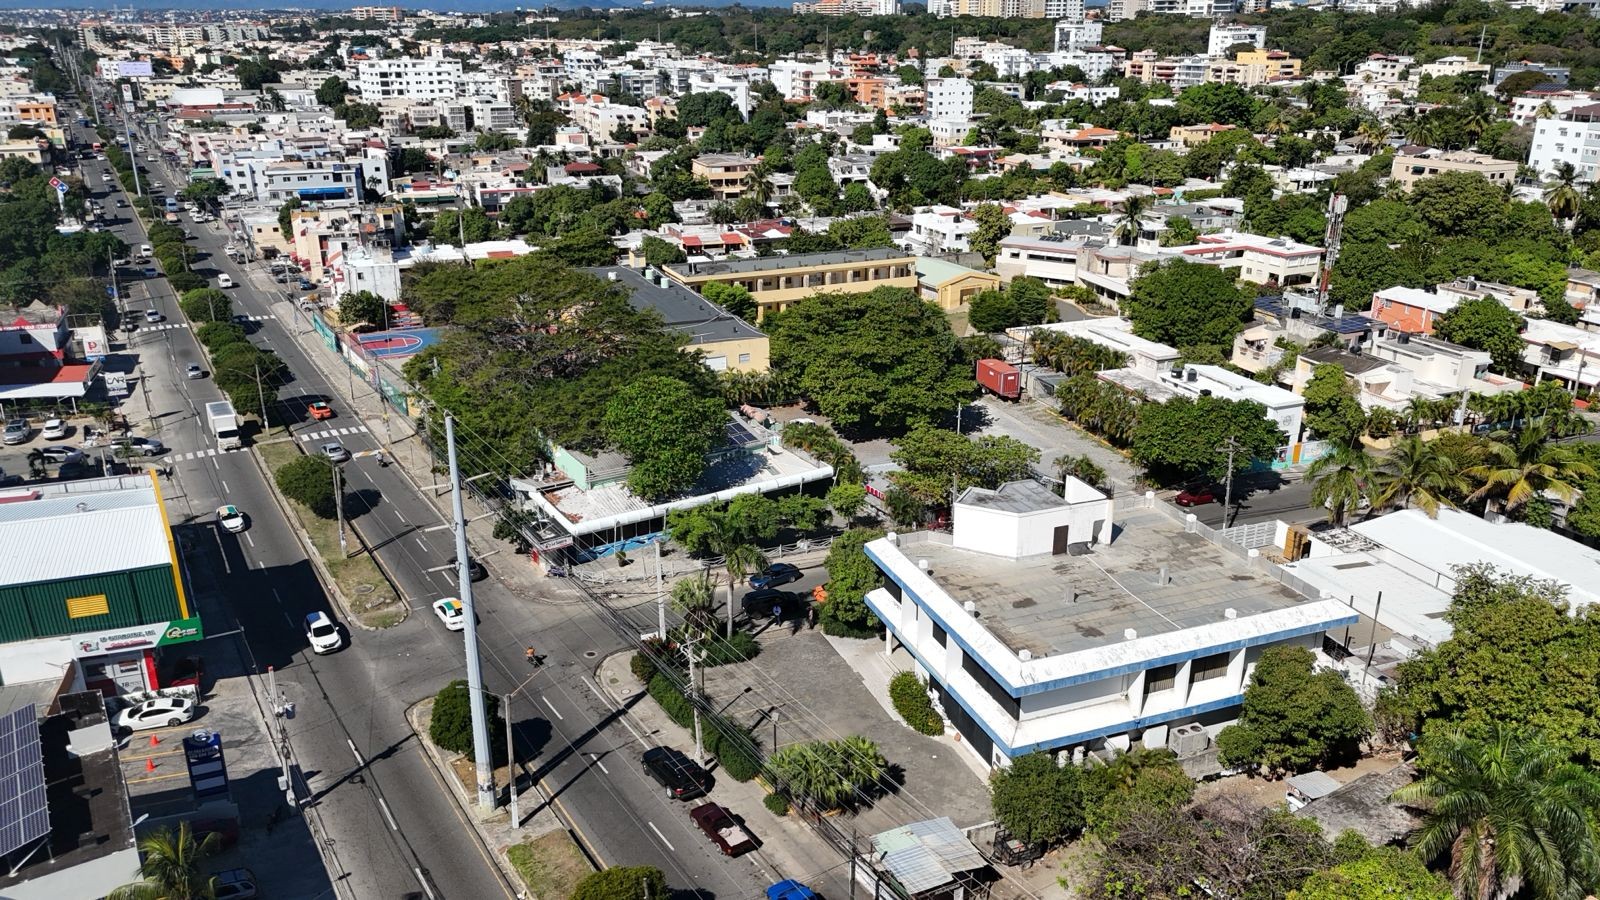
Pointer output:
x,y
329,585
508,879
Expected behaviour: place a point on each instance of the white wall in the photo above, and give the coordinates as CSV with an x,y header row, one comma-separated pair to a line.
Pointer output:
x,y
40,660
1013,535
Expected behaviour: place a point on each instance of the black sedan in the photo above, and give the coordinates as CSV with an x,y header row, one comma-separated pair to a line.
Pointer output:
x,y
776,574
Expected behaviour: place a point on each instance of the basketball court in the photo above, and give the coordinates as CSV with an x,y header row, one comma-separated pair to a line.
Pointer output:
x,y
397,344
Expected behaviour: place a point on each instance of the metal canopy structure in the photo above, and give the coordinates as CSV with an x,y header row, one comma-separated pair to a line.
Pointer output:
x,y
24,813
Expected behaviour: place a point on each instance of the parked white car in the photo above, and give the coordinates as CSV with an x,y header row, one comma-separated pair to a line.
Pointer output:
x,y
322,634
157,712
53,430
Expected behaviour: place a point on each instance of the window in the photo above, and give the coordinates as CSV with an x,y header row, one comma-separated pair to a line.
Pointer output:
x,y
1208,667
939,635
744,357
1161,678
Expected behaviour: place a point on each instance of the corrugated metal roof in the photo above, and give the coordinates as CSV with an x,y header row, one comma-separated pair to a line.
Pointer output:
x,y
926,855
74,534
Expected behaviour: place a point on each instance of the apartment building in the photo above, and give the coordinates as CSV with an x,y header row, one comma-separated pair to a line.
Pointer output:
x,y
1188,136
847,8
377,13
1251,68
1539,104
1257,259
776,282
1410,310
939,230
1413,163
424,79
1222,36
1148,67
1562,353
1052,259
1391,371
1039,625
948,98
1572,137
727,173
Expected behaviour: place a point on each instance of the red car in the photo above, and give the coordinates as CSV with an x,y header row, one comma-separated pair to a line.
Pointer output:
x,y
1195,496
724,830
319,411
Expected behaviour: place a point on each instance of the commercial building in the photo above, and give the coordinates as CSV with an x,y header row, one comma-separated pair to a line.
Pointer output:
x,y
1412,164
724,341
105,612
42,360
1040,624
775,282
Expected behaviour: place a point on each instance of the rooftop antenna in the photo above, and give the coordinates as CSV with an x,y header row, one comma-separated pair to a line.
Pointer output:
x,y
1337,204
1481,32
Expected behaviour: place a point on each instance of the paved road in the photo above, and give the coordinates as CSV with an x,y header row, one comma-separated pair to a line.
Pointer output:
x,y
584,749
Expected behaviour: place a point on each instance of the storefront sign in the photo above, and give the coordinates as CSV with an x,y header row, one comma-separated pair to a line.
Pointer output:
x,y
140,637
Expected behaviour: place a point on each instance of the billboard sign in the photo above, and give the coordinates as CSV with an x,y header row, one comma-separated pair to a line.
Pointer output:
x,y
95,345
139,637
208,770
134,68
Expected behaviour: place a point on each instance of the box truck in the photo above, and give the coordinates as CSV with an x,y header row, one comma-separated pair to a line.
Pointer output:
x,y
224,424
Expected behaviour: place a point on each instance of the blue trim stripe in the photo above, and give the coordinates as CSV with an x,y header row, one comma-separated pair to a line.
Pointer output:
x,y
1069,740
1016,690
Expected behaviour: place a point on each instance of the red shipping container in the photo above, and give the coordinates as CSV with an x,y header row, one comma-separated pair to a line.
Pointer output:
x,y
1000,378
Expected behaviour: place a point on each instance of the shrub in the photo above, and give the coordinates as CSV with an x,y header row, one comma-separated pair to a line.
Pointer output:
x,y
740,756
451,726
911,701
205,304
777,804
644,668
671,700
622,883
309,481
740,647
185,281
216,335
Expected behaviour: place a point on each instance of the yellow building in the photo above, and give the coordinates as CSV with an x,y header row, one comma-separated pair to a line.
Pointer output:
x,y
726,342
777,281
1195,135
1253,67
949,285
727,173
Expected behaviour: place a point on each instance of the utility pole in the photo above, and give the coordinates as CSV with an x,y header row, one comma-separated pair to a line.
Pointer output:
x,y
480,718
338,509
261,397
511,761
1230,447
661,598
694,703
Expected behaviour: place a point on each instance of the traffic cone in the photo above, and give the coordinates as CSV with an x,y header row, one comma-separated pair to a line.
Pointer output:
x,y
149,764
155,741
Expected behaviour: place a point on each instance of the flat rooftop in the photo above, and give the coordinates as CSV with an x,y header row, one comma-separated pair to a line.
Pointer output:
x,y
684,311
789,261
1051,605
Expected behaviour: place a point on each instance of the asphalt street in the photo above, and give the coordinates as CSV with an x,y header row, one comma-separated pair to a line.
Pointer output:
x,y
350,735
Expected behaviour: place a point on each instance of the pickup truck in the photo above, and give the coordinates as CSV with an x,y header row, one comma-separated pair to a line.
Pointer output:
x,y
680,775
723,829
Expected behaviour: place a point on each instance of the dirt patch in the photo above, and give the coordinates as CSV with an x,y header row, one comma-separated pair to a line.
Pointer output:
x,y
550,866
1259,793
368,596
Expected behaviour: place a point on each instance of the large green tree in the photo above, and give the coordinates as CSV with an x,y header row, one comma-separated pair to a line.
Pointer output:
x,y
1332,411
1294,717
1184,304
851,576
1181,438
1486,324
666,430
1037,800
171,866
833,344
934,461
1383,873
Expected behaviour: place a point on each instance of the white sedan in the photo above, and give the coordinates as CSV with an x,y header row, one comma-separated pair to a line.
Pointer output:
x,y
322,634
230,518
451,613
54,429
157,712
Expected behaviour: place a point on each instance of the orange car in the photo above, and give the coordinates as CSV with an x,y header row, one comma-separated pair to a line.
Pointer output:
x,y
320,410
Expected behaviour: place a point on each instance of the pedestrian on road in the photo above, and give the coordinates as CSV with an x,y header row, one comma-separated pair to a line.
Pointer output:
x,y
811,617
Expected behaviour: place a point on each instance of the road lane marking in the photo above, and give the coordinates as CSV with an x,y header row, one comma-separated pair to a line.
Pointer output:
x,y
225,488
662,837
352,745
251,541
424,882
383,805
596,758
552,707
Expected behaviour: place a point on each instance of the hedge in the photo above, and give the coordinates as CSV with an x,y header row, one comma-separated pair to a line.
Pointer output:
x,y
910,699
644,668
740,758
777,804
740,647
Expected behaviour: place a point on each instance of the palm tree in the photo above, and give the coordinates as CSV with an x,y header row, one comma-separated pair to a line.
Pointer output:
x,y
170,867
741,560
1421,130
1371,134
1477,113
1525,466
696,598
1128,226
1513,811
1562,196
1339,482
1545,111
1417,471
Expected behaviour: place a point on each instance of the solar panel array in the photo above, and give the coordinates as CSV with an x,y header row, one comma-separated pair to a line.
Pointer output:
x,y
24,814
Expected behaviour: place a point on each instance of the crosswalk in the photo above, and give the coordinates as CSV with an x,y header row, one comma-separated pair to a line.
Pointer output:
x,y
198,454
331,433
165,325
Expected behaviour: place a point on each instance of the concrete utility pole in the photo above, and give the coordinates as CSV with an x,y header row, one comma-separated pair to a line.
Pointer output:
x,y
1230,447
694,689
511,762
661,598
338,509
480,718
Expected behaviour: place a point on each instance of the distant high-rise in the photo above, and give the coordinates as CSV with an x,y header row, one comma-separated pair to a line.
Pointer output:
x,y
1064,9
847,7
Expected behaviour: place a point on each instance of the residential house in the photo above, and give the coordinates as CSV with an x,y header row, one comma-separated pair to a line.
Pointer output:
x,y
727,173
1413,163
1409,309
950,285
777,281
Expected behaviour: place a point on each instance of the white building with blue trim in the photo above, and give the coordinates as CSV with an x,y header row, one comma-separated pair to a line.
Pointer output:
x,y
1040,623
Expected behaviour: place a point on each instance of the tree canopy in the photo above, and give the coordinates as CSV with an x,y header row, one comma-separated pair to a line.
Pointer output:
x,y
1186,304
1181,438
833,345
933,462
1293,717
1486,324
666,430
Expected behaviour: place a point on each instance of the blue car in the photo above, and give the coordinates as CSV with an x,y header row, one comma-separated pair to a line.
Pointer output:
x,y
150,272
789,889
305,285
776,574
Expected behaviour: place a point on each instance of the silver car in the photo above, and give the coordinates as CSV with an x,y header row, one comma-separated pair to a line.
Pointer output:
x,y
17,432
335,452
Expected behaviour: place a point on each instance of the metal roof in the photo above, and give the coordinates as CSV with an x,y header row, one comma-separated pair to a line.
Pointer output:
x,y
926,855
105,525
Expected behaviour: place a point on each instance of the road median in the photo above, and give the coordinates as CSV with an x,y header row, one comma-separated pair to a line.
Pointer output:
x,y
364,595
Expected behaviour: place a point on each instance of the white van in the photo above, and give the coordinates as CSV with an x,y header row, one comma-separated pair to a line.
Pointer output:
x,y
146,251
223,281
